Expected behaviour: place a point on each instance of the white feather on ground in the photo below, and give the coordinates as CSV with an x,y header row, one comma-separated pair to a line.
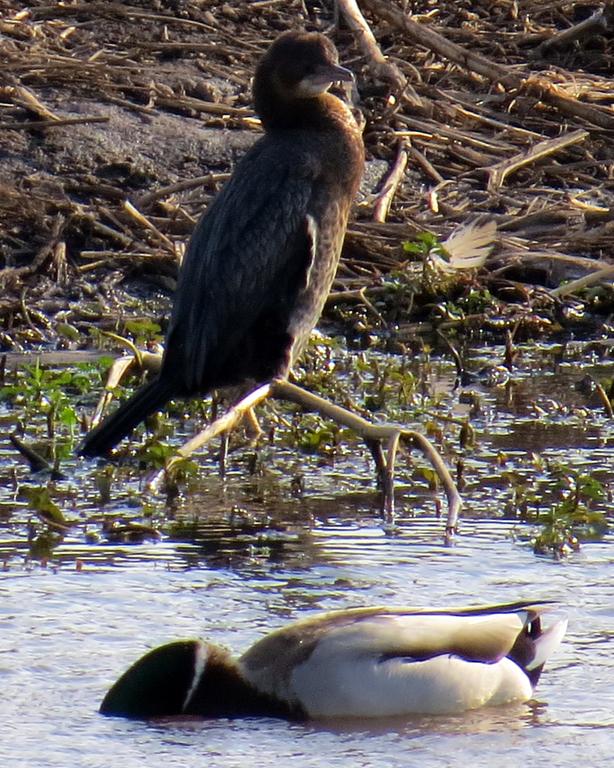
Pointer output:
x,y
468,247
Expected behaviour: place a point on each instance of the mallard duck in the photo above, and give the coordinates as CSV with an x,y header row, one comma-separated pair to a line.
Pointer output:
x,y
362,662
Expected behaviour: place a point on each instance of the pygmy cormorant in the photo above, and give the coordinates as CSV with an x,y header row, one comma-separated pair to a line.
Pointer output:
x,y
261,261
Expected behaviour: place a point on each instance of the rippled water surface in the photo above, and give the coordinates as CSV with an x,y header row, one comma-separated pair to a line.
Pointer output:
x,y
71,623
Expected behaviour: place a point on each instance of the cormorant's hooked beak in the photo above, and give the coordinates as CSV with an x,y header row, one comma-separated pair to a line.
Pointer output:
x,y
340,74
347,77
325,76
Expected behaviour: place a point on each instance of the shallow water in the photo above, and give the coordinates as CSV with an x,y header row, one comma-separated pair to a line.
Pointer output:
x,y
70,624
65,634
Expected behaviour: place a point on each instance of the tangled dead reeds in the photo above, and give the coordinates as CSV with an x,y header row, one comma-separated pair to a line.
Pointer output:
x,y
119,121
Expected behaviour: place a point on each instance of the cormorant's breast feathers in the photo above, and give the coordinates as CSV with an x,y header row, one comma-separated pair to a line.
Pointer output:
x,y
252,247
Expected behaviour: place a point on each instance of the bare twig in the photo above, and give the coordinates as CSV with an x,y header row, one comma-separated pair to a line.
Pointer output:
x,y
604,400
15,125
540,86
602,275
600,21
372,434
500,171
382,69
199,105
41,257
369,432
426,166
181,186
358,295
145,222
390,185
139,360
28,100
390,434
422,34
37,462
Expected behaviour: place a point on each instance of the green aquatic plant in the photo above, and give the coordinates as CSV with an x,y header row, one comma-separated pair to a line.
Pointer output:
x,y
424,243
571,520
316,435
143,330
477,300
34,384
46,399
563,507
40,501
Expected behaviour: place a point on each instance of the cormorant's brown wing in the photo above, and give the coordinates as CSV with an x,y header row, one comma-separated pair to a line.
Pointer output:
x,y
249,253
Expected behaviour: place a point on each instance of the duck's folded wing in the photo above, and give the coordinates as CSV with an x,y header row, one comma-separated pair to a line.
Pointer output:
x,y
483,637
481,633
365,686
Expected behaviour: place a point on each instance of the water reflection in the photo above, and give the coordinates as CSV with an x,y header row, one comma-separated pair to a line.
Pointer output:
x,y
65,634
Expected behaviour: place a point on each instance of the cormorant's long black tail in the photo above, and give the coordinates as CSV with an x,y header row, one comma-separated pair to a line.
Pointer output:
x,y
148,399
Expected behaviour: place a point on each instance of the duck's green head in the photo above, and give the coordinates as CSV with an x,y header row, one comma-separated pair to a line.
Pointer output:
x,y
189,678
159,684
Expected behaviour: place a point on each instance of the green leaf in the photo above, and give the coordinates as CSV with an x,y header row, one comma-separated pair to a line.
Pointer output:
x,y
40,501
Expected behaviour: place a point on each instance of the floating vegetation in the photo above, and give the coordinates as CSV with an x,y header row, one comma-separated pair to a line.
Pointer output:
x,y
49,398
554,504
563,507
572,520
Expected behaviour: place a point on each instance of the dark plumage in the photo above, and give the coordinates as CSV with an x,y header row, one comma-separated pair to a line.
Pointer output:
x,y
262,258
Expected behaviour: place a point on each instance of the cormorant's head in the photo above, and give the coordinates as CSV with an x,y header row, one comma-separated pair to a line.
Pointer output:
x,y
297,66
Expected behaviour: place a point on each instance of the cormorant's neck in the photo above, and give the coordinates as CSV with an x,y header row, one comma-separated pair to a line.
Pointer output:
x,y
278,114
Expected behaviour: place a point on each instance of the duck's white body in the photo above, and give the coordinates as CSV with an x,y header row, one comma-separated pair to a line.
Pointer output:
x,y
444,685
373,662
384,662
